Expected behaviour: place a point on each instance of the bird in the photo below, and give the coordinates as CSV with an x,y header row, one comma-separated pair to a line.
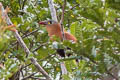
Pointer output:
x,y
54,29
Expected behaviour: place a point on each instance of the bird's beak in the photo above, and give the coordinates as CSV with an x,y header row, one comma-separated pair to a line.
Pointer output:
x,y
42,22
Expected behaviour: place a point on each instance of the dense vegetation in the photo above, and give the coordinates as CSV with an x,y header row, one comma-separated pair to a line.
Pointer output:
x,y
95,23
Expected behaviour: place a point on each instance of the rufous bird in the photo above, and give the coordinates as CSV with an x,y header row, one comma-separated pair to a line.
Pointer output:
x,y
54,29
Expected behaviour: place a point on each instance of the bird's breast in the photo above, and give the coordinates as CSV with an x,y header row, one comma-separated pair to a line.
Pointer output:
x,y
54,32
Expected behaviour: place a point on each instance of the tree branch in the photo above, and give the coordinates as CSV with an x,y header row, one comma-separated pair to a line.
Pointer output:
x,y
24,36
74,6
54,17
52,10
63,12
40,68
25,78
62,19
23,4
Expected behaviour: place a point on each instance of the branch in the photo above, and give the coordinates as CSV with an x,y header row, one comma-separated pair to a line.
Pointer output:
x,y
23,45
52,10
25,78
74,6
21,42
24,36
112,75
12,45
54,17
23,4
36,78
63,11
62,19
40,68
18,37
39,47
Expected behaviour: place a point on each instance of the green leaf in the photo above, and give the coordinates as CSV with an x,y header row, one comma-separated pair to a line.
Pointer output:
x,y
66,77
75,29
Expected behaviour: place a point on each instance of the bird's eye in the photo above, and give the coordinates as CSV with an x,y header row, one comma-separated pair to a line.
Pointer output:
x,y
49,23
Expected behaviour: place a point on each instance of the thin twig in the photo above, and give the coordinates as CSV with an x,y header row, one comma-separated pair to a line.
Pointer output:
x,y
74,6
24,36
26,77
109,73
63,12
62,19
36,78
16,42
39,47
23,4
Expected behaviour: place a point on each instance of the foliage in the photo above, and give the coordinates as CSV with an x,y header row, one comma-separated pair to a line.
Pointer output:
x,y
95,23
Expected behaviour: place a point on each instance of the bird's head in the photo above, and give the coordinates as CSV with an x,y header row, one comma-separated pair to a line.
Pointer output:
x,y
47,22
